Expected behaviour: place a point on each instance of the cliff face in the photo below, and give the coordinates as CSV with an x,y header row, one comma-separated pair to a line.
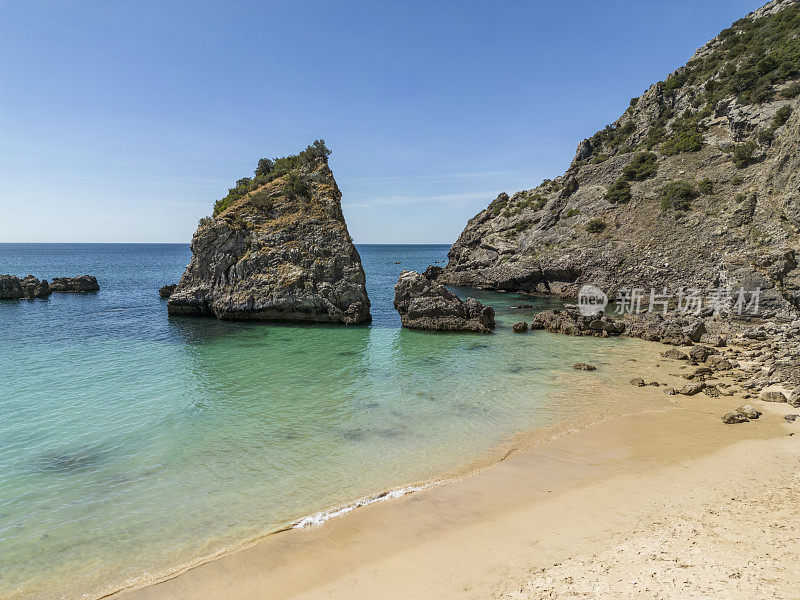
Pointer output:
x,y
280,252
697,184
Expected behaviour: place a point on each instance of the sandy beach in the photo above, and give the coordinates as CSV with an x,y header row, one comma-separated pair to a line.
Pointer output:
x,y
664,503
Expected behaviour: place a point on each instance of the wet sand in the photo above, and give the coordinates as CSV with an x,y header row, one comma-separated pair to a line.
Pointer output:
x,y
664,503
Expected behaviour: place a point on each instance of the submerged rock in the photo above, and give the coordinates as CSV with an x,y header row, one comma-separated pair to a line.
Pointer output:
x,y
278,252
167,290
15,288
82,284
425,304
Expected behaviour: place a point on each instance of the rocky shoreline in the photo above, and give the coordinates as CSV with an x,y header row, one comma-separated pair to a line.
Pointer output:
x,y
722,357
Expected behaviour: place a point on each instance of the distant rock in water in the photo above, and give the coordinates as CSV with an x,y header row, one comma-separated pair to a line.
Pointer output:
x,y
425,304
167,290
77,285
277,249
14,288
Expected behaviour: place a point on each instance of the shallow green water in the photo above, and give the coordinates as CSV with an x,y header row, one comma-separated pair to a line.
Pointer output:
x,y
133,443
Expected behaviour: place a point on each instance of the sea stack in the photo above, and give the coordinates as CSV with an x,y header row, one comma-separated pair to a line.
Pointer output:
x,y
277,249
425,304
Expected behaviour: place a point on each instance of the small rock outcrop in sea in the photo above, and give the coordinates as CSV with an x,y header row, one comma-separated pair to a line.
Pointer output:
x,y
167,290
82,284
425,304
277,249
15,288
520,327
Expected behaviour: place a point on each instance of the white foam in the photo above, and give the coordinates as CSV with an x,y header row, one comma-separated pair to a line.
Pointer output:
x,y
325,515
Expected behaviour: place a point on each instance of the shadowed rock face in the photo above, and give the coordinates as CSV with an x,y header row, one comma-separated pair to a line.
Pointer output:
x,y
167,290
79,285
277,254
607,223
425,304
14,288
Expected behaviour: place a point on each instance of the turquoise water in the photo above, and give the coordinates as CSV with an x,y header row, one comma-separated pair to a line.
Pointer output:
x,y
133,443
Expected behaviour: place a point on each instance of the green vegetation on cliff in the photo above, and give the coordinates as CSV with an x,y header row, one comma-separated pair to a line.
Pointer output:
x,y
643,166
269,170
619,192
677,195
751,61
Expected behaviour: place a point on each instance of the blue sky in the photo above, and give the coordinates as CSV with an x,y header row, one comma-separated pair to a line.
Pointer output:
x,y
125,121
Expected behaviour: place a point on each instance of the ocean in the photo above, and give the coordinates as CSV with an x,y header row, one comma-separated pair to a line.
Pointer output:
x,y
134,443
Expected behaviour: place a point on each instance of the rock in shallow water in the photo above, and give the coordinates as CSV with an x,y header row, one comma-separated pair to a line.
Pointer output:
x,y
425,304
520,327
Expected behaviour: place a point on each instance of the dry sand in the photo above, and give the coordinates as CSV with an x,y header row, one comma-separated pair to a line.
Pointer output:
x,y
669,503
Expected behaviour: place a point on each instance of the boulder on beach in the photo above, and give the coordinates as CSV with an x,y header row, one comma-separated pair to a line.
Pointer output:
x,y
772,395
675,354
734,417
425,304
16,288
701,353
749,412
83,284
692,389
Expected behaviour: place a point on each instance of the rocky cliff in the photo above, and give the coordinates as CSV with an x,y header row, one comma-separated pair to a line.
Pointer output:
x,y
277,249
697,184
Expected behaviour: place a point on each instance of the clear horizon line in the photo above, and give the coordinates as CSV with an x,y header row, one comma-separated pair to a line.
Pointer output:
x,y
187,243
